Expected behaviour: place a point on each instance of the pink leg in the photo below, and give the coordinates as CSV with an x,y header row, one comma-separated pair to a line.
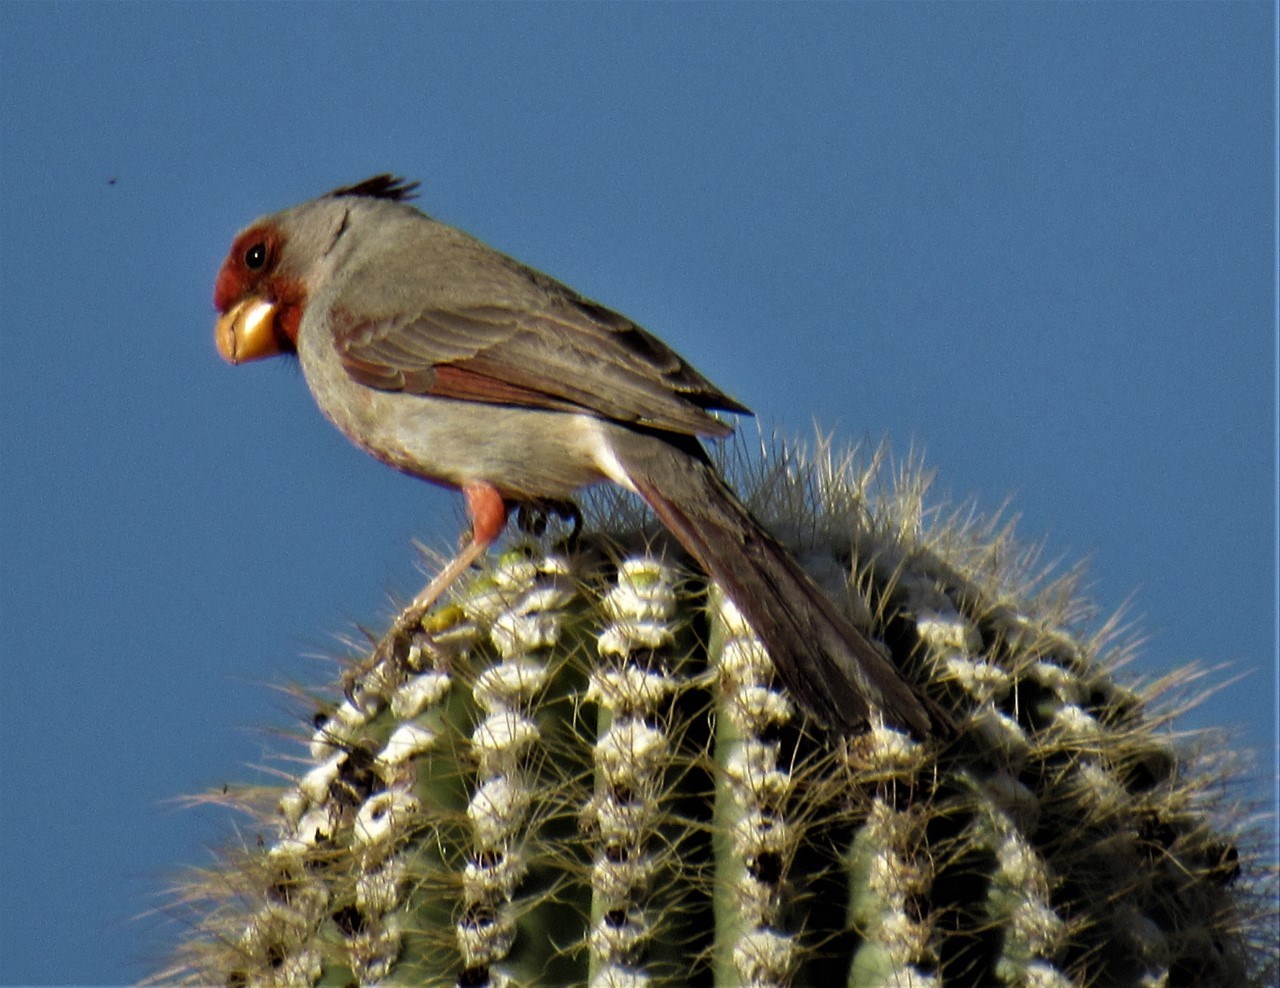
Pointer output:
x,y
488,513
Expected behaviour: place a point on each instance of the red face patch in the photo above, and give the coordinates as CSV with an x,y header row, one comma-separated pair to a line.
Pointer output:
x,y
252,269
248,266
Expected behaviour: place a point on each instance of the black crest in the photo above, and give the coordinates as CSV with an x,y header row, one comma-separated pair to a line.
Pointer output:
x,y
384,186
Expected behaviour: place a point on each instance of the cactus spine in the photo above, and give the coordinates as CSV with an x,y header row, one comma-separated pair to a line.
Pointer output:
x,y
585,772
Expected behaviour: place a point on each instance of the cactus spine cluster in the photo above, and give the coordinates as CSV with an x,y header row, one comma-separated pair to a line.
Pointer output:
x,y
585,772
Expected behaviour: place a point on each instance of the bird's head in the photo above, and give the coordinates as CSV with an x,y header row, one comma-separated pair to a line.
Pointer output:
x,y
275,264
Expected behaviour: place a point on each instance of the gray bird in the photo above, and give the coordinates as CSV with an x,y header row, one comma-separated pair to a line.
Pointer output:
x,y
454,363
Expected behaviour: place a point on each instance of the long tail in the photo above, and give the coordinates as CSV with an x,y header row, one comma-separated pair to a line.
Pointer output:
x,y
823,659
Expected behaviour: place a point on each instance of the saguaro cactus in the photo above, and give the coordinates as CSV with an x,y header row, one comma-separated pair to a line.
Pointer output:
x,y
585,771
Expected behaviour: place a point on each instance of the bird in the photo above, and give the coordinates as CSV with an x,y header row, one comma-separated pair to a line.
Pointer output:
x,y
459,365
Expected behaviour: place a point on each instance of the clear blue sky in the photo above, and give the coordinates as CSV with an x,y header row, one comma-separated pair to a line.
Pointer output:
x,y
1036,240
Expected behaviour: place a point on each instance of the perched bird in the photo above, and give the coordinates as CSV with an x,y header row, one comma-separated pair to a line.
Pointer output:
x,y
454,363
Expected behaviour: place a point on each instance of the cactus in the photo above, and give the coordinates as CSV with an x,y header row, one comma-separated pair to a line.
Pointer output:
x,y
584,771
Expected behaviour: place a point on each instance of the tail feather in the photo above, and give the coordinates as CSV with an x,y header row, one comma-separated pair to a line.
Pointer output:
x,y
823,659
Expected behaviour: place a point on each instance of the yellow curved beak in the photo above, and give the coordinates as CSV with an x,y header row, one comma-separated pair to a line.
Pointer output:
x,y
247,332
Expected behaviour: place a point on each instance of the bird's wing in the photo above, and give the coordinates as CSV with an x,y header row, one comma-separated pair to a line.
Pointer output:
x,y
541,347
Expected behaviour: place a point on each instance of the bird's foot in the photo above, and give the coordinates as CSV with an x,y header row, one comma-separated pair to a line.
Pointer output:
x,y
532,516
389,659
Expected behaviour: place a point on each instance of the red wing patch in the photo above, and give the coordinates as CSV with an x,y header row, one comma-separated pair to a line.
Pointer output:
x,y
452,381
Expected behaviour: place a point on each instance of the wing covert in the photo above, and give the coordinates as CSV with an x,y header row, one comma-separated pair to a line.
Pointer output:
x,y
570,355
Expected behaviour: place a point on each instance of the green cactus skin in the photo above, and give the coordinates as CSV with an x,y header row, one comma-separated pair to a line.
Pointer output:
x,y
584,771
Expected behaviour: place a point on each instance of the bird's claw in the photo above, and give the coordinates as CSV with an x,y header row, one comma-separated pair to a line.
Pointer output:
x,y
390,654
532,516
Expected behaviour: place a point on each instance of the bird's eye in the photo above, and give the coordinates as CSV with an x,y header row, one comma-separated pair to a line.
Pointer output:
x,y
255,258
